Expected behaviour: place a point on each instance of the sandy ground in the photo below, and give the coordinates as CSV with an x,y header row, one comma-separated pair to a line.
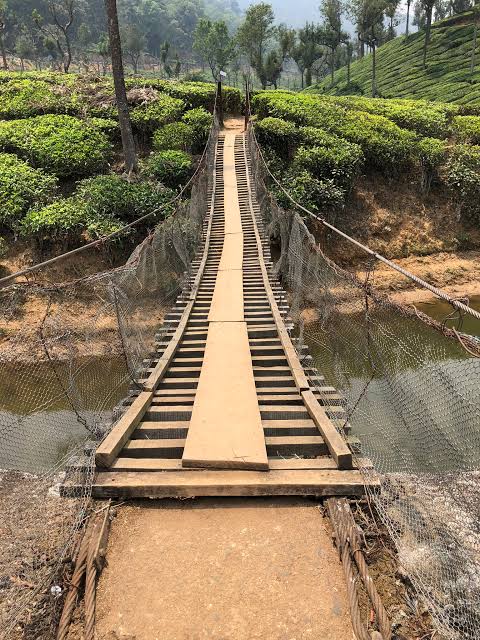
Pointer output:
x,y
222,569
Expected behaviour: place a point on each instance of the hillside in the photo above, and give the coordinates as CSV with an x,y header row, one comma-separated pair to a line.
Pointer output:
x,y
399,67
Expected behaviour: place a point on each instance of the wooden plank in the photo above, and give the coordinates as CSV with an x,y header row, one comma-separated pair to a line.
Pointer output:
x,y
226,428
227,302
189,484
118,436
169,464
334,441
232,253
233,220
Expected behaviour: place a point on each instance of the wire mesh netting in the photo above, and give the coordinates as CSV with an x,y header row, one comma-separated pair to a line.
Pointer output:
x,y
69,353
412,397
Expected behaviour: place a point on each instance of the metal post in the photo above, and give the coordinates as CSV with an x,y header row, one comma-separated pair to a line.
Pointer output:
x,y
220,103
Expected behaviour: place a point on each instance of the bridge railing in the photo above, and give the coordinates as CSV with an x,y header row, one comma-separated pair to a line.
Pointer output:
x,y
412,392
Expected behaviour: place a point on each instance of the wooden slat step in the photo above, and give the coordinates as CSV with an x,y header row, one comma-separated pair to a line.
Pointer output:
x,y
187,484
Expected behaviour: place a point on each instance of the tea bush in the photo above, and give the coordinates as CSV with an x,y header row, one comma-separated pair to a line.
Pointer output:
x,y
151,115
62,144
462,176
432,154
277,134
467,128
319,196
201,121
111,196
340,163
176,135
21,187
172,168
22,98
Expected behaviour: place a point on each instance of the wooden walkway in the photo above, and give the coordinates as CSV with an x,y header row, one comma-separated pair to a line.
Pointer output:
x,y
227,407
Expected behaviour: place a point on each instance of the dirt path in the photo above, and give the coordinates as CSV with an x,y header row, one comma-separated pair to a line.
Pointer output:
x,y
222,569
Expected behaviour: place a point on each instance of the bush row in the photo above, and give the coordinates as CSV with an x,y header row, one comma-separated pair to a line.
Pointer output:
x,y
190,134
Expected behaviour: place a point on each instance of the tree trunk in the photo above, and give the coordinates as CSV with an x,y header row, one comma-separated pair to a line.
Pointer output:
x,y
408,18
332,67
120,91
427,35
301,73
362,49
2,48
348,71
474,45
67,62
308,76
374,73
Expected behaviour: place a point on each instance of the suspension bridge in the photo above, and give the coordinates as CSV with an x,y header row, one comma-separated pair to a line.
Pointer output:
x,y
227,407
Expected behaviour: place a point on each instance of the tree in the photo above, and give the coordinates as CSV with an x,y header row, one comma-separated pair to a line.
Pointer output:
x,y
409,2
307,51
24,48
391,12
120,91
370,16
103,50
164,58
133,45
273,68
427,6
62,14
254,36
349,50
330,33
213,43
3,27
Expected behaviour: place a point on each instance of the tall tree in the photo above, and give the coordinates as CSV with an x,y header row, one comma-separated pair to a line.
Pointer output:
x,y
128,142
330,33
427,6
214,45
62,14
307,51
133,44
370,17
255,35
409,2
476,18
391,13
3,27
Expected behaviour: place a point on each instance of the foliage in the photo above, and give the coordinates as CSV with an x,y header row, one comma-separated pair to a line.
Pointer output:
x,y
278,134
320,196
214,44
63,217
463,179
3,247
21,187
400,73
61,144
22,98
172,168
338,163
254,36
111,196
201,122
161,111
467,128
432,154
176,135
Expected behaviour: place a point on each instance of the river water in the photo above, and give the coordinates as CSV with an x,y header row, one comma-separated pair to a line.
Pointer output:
x,y
38,425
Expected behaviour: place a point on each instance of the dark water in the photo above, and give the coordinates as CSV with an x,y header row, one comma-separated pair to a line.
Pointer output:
x,y
443,312
46,409
413,395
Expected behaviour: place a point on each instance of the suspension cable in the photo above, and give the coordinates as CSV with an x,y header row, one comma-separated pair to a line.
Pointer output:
x,y
437,292
5,280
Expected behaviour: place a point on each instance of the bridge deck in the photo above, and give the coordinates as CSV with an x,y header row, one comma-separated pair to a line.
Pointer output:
x,y
195,412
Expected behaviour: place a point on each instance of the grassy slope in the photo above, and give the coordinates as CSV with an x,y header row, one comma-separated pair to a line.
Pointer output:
x,y
400,73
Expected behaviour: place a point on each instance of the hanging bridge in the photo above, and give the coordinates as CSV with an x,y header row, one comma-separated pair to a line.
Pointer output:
x,y
227,407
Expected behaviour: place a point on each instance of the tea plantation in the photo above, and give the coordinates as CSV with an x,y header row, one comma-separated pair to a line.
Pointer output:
x,y
60,153
400,72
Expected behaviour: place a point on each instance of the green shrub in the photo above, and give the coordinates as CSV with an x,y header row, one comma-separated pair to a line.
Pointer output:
x,y
319,196
23,98
432,154
340,163
21,187
61,144
278,134
67,219
462,176
201,122
467,128
108,125
151,115
111,196
176,135
172,168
